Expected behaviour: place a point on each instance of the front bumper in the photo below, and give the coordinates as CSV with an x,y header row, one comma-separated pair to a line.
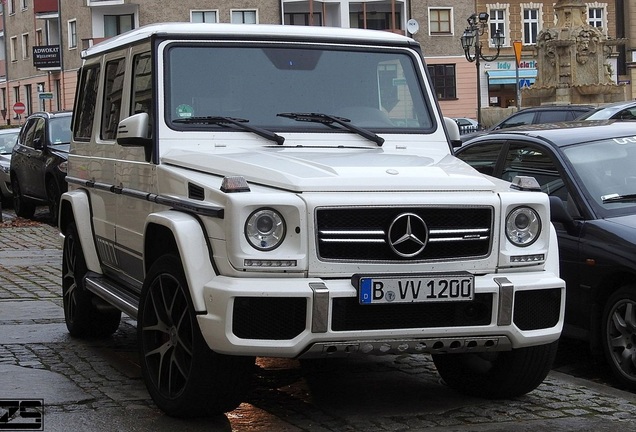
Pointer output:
x,y
317,318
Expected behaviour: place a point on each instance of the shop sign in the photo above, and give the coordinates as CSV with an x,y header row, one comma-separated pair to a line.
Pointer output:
x,y
46,56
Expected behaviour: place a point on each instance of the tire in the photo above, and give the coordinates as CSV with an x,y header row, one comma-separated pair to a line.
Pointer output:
x,y
20,206
619,335
83,318
497,375
53,193
184,377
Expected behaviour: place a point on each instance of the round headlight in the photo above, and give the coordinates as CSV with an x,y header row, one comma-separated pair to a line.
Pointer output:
x,y
265,229
523,226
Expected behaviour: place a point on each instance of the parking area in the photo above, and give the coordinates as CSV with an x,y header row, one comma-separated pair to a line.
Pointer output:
x,y
96,384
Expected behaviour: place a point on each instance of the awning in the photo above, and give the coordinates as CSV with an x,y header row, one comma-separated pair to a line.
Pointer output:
x,y
509,76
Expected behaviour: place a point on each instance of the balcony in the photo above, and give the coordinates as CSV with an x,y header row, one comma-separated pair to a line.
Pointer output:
x,y
44,6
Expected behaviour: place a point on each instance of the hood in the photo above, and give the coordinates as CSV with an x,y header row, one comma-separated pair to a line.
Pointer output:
x,y
342,169
60,150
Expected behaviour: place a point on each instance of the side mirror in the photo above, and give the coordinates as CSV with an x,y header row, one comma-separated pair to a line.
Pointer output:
x,y
558,212
453,132
133,132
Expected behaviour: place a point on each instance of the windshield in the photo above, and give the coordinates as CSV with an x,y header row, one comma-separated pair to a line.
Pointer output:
x,y
606,172
378,90
60,130
7,141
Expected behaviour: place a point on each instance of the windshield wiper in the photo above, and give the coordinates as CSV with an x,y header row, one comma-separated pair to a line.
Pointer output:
x,y
239,122
618,198
329,119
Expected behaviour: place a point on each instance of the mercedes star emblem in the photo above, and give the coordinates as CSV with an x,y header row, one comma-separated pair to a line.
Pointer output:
x,y
408,235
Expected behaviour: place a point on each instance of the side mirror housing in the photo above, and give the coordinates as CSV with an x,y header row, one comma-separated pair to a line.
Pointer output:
x,y
133,132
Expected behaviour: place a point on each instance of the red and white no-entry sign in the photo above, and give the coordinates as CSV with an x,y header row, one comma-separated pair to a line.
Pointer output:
x,y
19,107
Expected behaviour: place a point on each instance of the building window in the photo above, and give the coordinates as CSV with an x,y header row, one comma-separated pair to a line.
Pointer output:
x,y
244,17
72,34
595,16
118,24
497,21
439,21
303,19
201,16
14,49
23,4
26,47
38,37
530,26
375,20
443,78
11,6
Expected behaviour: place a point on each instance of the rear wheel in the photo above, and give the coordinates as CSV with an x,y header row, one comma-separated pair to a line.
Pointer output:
x,y
22,208
82,315
619,335
497,375
183,375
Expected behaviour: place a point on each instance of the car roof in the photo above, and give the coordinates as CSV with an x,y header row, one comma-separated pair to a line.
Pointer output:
x,y
568,107
50,114
565,133
247,32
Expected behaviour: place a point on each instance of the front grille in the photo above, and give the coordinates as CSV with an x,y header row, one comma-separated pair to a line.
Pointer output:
x,y
537,309
269,318
349,314
363,234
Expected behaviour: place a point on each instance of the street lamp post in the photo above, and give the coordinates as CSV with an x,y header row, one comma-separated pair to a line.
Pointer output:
x,y
470,40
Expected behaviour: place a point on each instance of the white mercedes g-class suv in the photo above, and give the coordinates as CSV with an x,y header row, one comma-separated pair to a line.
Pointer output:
x,y
283,191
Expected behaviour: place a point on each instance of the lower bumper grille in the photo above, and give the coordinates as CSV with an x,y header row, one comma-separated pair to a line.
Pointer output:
x,y
269,318
537,309
349,315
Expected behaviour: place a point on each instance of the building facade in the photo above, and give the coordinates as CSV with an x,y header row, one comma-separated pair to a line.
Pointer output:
x,y
41,40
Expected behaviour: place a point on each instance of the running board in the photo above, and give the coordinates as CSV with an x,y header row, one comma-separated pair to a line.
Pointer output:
x,y
112,293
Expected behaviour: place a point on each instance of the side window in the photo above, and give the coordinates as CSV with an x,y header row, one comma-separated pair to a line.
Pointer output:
x,y
482,157
142,86
113,92
527,160
554,116
38,133
27,133
518,120
86,100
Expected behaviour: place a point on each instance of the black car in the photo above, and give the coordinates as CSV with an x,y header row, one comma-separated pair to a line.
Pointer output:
x,y
38,162
587,169
535,115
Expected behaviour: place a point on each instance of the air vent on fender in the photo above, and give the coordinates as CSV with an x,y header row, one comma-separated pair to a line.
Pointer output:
x,y
195,192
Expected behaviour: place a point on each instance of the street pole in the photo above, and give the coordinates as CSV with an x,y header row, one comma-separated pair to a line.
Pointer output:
x,y
477,55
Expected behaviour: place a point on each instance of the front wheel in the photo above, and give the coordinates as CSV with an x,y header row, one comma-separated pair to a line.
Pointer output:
x,y
184,377
619,335
497,375
54,193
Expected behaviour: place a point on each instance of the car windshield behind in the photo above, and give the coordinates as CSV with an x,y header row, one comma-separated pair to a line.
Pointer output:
x,y
606,170
373,89
7,141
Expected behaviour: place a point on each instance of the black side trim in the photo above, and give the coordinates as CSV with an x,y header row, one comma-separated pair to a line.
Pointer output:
x,y
170,201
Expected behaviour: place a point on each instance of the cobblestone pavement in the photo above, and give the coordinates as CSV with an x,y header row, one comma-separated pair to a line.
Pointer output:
x,y
96,384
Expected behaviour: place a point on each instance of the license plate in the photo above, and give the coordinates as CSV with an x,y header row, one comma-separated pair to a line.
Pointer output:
x,y
382,289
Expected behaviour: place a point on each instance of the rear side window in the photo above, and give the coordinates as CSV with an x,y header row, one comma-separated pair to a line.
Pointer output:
x,y
554,116
482,157
113,91
86,100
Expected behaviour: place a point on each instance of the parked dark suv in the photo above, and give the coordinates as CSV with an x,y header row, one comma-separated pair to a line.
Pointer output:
x,y
535,115
38,162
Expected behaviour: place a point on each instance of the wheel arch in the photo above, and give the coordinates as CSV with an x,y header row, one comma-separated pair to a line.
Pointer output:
x,y
609,284
183,234
75,207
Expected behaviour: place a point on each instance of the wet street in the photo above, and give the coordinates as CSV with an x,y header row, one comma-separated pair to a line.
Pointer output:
x,y
95,385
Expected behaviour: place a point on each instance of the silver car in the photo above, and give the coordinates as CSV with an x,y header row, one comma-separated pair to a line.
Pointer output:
x,y
8,138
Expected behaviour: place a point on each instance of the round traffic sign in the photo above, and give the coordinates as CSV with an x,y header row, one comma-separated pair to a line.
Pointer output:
x,y
19,107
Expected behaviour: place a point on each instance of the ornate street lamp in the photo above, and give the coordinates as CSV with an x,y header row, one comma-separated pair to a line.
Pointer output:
x,y
470,40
